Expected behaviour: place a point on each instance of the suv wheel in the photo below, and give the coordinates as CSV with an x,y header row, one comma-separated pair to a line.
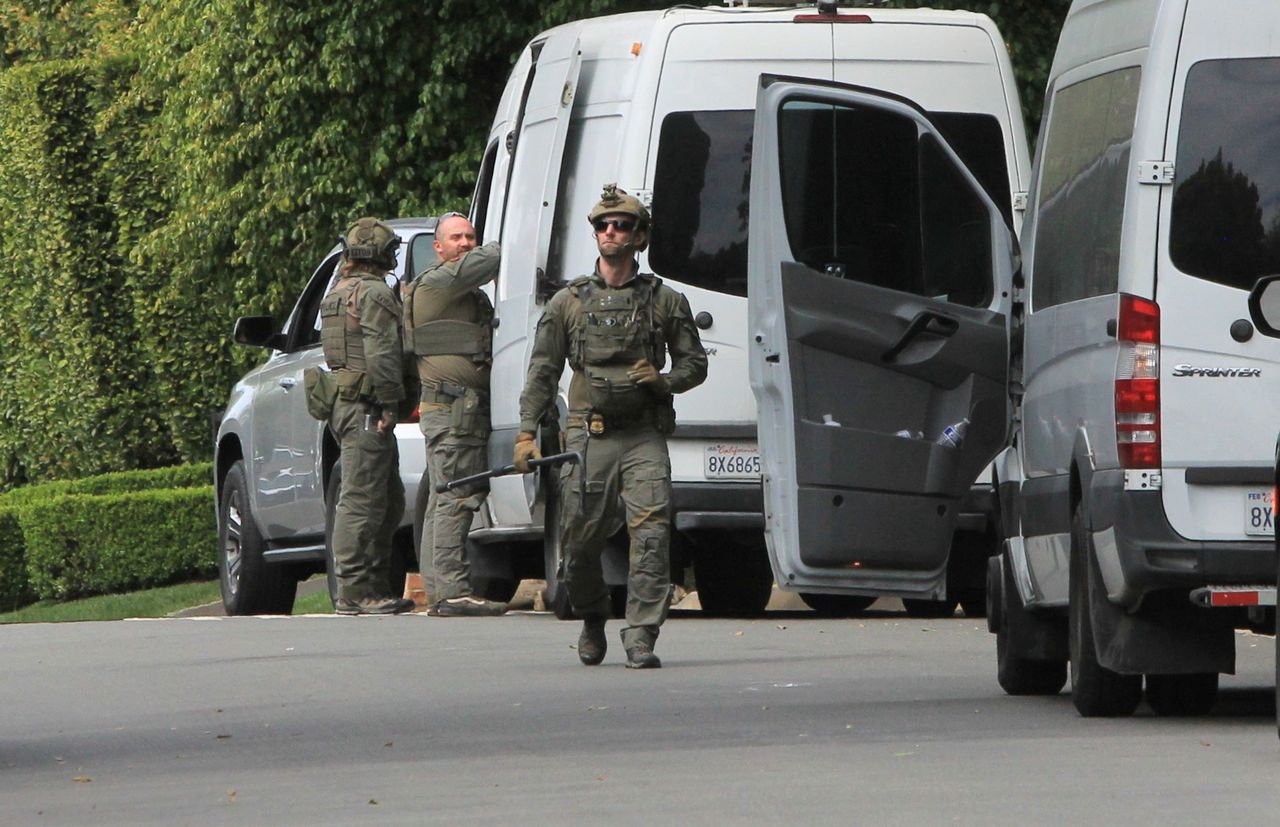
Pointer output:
x,y
249,584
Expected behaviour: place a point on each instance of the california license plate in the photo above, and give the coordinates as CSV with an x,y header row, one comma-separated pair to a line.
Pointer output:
x,y
1259,513
731,461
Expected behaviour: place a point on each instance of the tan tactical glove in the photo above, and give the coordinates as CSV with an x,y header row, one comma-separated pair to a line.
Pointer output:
x,y
526,449
644,373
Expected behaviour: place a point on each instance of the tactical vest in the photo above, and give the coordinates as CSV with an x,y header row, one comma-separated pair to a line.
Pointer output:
x,y
452,337
340,334
617,329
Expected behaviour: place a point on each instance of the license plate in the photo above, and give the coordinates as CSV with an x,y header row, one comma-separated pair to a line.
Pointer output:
x,y
728,461
1259,513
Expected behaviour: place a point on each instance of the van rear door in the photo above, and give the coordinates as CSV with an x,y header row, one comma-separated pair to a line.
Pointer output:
x,y
879,280
1220,231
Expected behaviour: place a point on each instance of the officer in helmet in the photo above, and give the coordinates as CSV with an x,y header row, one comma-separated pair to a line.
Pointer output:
x,y
615,328
360,333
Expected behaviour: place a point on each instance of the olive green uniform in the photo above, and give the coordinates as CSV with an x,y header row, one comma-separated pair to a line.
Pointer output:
x,y
602,331
360,332
449,329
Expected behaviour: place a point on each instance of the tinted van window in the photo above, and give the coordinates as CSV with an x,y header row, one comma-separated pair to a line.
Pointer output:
x,y
868,198
702,186
1226,197
1081,198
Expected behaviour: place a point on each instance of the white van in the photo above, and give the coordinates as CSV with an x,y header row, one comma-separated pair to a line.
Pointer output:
x,y
1142,465
663,103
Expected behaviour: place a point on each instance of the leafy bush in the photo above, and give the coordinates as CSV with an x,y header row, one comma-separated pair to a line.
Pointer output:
x,y
119,482
83,544
14,589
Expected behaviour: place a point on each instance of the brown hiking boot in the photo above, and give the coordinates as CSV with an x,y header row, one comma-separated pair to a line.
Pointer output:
x,y
641,656
592,643
469,606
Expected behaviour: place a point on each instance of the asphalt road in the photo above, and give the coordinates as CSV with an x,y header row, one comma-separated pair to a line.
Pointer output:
x,y
416,720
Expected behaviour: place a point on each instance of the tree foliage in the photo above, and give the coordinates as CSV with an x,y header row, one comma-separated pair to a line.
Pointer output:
x,y
176,163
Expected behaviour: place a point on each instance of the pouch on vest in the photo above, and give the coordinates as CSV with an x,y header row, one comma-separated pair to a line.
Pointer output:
x,y
352,384
664,418
469,416
616,396
321,390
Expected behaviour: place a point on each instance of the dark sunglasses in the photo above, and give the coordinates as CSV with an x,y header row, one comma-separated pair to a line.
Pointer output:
x,y
622,225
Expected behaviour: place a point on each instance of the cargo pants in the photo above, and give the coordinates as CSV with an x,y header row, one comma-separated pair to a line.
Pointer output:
x,y
626,473
442,555
370,503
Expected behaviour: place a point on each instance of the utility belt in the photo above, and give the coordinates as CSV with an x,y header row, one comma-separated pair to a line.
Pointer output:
x,y
468,407
662,418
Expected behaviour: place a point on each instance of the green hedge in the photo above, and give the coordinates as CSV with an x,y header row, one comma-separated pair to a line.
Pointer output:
x,y
84,544
15,591
33,507
119,482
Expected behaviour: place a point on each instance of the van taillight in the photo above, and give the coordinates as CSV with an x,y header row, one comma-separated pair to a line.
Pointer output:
x,y
1138,383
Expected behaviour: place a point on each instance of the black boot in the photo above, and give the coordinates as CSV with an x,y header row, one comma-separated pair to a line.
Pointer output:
x,y
592,643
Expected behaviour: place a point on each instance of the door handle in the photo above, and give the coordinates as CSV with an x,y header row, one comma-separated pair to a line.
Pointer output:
x,y
288,382
925,322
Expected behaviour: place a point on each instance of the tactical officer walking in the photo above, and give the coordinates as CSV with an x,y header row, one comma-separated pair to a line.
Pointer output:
x,y
449,329
360,333
615,328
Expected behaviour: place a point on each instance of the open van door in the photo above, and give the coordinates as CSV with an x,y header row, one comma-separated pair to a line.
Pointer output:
x,y
879,295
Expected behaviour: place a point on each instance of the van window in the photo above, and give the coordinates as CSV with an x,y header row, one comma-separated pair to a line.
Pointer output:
x,y
1081,199
868,197
484,188
702,187
1226,199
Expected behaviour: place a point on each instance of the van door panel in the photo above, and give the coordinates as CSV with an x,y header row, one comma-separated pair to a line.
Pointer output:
x,y
1219,230
866,321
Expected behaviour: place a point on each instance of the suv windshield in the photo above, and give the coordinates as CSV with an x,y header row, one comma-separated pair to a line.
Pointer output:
x,y
1226,199
702,187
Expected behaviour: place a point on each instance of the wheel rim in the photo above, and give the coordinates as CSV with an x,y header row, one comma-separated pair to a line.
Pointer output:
x,y
231,554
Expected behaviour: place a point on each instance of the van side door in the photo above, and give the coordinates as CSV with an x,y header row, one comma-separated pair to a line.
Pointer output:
x,y
879,293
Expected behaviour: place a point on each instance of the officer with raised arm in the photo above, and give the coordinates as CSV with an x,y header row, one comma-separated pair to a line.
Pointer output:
x,y
449,329
615,329
360,334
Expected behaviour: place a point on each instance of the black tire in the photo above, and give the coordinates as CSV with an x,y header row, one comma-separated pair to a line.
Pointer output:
x,y
1017,675
733,579
330,508
837,605
618,601
555,596
249,585
1096,691
1182,695
934,609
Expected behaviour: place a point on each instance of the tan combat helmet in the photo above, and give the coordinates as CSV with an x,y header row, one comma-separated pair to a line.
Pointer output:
x,y
614,200
368,239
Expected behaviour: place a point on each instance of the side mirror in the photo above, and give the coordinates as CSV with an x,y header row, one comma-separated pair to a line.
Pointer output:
x,y
1264,305
258,331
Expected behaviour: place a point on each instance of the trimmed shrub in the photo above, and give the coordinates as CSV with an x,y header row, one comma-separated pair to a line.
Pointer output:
x,y
84,544
14,589
119,482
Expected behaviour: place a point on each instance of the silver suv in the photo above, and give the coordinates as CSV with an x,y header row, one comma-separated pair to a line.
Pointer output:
x,y
278,470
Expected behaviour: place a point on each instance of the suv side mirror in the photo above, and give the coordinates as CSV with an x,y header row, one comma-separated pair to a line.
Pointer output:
x,y
1264,305
258,331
